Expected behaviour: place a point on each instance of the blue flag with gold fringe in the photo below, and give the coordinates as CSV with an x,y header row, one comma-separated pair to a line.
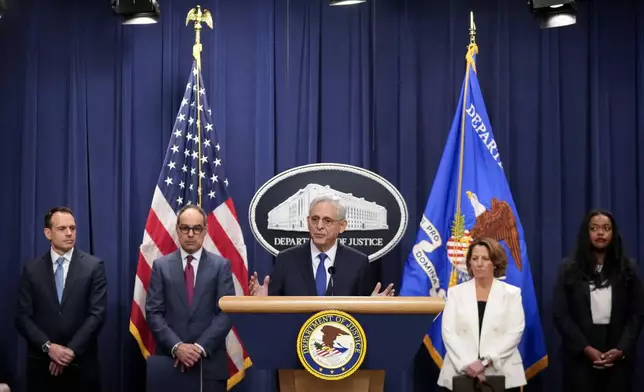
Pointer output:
x,y
470,198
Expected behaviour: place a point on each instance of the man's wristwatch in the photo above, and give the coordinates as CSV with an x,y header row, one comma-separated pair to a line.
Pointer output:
x,y
45,347
174,349
485,361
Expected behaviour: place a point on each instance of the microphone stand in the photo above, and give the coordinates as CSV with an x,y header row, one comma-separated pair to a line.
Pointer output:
x,y
331,272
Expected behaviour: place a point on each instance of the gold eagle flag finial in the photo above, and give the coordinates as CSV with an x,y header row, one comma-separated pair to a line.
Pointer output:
x,y
198,16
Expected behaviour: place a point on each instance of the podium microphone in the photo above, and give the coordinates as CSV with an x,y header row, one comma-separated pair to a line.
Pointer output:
x,y
331,271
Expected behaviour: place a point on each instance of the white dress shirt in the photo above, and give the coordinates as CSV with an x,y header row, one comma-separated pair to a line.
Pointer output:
x,y
195,262
328,262
601,301
68,259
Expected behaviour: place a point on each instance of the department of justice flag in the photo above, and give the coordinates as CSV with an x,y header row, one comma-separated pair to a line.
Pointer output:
x,y
470,199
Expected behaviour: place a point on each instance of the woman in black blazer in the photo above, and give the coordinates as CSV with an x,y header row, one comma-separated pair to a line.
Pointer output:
x,y
598,309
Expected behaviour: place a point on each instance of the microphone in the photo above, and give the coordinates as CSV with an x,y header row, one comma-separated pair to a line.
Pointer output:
x,y
331,271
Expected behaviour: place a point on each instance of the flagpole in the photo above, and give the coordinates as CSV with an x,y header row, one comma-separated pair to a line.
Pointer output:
x,y
467,82
198,17
458,227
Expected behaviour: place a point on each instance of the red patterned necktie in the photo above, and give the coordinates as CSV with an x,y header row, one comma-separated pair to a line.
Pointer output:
x,y
189,277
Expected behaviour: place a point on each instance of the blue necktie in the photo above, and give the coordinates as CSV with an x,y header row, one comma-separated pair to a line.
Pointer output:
x,y
320,276
60,277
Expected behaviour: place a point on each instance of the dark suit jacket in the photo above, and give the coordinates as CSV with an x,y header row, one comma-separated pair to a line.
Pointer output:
x,y
293,273
573,317
171,320
77,320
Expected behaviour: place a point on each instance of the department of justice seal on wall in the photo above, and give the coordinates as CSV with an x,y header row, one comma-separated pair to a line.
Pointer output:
x,y
331,345
376,212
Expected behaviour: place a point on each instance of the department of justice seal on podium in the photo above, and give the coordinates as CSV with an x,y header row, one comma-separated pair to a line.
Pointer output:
x,y
331,345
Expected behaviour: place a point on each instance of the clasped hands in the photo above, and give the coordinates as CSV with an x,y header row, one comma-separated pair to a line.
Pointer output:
x,y
261,290
602,360
476,370
60,356
186,355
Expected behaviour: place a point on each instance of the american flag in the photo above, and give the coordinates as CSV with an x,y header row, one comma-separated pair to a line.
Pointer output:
x,y
192,173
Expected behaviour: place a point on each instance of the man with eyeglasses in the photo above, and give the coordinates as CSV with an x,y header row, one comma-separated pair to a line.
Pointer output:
x,y
322,266
182,308
62,304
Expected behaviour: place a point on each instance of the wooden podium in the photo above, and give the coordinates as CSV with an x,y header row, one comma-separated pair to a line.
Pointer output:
x,y
394,328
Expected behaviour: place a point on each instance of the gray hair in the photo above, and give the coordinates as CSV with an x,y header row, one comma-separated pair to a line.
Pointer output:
x,y
334,200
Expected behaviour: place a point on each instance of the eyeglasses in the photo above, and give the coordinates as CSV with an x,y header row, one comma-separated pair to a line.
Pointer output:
x,y
185,229
328,222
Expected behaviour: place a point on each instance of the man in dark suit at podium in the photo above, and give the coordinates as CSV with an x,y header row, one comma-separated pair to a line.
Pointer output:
x,y
61,309
322,266
182,304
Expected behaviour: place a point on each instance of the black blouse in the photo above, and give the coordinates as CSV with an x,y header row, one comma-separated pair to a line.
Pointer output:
x,y
481,313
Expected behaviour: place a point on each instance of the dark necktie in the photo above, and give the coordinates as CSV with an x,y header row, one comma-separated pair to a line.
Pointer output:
x,y
320,276
189,277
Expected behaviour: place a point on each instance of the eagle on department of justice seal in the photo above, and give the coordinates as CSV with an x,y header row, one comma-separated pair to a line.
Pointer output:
x,y
331,345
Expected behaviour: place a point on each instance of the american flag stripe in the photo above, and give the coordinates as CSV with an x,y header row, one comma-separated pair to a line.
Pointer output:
x,y
235,349
159,234
146,340
228,219
325,353
192,173
223,242
143,272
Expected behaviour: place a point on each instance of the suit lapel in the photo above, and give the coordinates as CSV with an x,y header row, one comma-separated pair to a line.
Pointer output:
x,y
584,287
72,272
48,272
203,273
306,268
176,270
471,307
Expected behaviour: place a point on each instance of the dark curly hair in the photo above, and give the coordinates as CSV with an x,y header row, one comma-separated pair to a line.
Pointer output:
x,y
585,259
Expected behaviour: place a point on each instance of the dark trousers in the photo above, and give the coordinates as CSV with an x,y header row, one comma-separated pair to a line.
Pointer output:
x,y
77,378
214,385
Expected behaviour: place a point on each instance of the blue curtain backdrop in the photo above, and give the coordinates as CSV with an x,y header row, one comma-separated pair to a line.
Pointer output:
x,y
87,106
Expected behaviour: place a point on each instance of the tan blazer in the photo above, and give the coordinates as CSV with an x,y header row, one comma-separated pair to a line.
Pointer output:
x,y
503,324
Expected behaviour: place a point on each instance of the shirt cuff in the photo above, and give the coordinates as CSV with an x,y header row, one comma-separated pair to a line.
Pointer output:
x,y
174,348
203,352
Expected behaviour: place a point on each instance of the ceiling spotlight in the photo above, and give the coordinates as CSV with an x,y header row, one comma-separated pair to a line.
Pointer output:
x,y
345,2
554,13
136,12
